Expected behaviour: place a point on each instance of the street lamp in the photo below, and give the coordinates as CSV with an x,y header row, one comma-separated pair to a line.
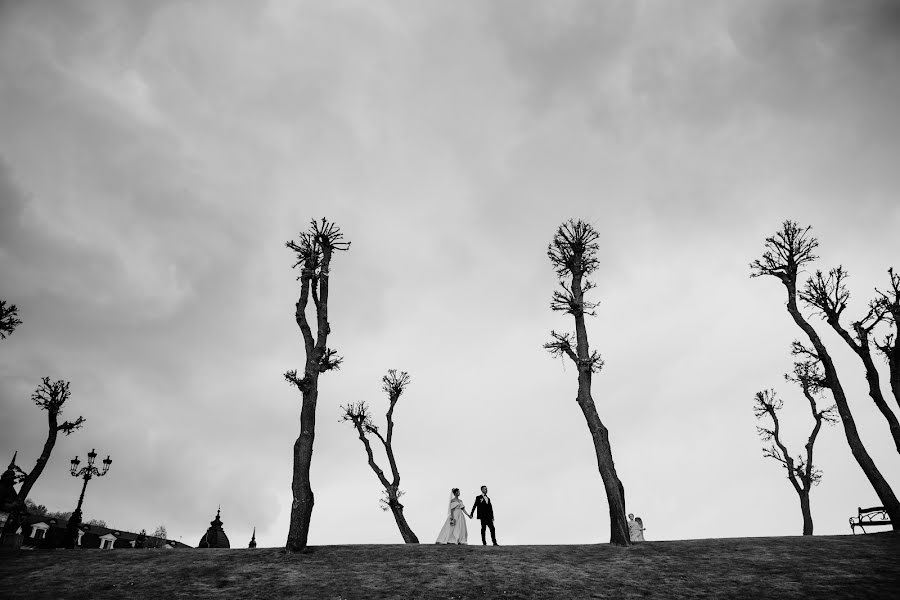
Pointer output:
x,y
85,473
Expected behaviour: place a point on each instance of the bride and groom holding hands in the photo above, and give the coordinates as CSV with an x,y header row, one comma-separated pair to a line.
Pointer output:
x,y
454,530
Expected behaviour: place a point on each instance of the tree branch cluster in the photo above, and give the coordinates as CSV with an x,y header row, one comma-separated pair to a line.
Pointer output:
x,y
359,415
8,319
786,252
564,344
51,397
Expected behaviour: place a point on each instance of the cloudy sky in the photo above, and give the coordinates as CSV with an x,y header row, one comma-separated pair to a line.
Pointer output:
x,y
155,157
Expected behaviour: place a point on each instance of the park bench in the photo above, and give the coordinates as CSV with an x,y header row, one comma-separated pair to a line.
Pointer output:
x,y
869,517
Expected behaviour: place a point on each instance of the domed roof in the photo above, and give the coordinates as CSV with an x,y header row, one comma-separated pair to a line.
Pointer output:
x,y
8,493
215,536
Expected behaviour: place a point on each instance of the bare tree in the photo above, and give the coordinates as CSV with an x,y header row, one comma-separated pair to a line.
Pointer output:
x,y
828,296
49,396
888,304
786,253
358,415
801,472
314,252
573,254
8,319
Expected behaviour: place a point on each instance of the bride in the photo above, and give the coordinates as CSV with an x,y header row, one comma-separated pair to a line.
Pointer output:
x,y
454,529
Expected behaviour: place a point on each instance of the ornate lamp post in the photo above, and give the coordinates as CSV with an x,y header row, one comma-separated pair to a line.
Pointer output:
x,y
85,473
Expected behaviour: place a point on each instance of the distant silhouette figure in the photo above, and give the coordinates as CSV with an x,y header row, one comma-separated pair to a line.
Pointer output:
x,y
635,528
485,514
454,530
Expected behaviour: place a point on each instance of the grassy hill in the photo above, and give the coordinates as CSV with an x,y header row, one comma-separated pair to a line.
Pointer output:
x,y
783,567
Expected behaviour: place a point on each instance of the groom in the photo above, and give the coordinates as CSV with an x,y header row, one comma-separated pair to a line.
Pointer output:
x,y
485,514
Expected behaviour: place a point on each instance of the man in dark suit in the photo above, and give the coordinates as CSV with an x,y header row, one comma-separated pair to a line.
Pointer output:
x,y
485,509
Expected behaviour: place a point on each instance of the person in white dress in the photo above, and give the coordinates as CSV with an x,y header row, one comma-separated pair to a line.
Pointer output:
x,y
635,528
454,530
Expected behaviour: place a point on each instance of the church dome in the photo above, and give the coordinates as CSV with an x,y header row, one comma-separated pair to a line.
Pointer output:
x,y
215,536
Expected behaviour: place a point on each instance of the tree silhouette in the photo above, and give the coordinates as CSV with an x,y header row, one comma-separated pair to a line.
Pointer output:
x,y
359,416
573,254
8,319
314,252
828,296
888,303
51,397
801,472
787,252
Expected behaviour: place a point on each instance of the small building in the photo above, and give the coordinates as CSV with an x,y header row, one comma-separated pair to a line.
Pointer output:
x,y
215,536
40,531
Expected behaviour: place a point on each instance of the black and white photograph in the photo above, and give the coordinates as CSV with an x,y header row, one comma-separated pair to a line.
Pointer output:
x,y
441,299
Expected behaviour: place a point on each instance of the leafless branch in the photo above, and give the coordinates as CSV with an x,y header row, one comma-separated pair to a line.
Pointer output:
x,y
827,295
8,319
395,383
330,361
357,413
798,349
773,452
808,375
765,403
291,377
830,414
51,396
562,345
786,252
386,499
594,362
574,248
565,301
69,426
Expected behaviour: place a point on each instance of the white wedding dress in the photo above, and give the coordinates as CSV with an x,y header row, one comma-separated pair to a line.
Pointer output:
x,y
636,531
457,532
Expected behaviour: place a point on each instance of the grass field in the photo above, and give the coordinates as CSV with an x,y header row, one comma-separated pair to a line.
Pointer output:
x,y
862,566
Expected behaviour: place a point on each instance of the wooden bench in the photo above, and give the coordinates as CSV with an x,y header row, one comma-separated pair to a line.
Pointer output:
x,y
869,517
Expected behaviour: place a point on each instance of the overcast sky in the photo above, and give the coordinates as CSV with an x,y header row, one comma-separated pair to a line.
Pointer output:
x,y
155,157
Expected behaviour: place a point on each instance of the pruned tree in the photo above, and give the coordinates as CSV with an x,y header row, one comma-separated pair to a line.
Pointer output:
x,y
573,254
787,252
802,474
828,296
358,415
887,303
8,319
314,253
51,397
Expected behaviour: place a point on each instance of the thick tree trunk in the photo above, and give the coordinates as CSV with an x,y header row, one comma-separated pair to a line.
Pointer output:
x,y
15,516
615,492
405,530
876,479
807,514
873,379
302,505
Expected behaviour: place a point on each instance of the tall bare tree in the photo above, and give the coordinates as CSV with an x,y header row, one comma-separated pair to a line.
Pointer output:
x,y
49,396
314,252
889,304
828,295
359,416
802,474
573,254
8,319
787,252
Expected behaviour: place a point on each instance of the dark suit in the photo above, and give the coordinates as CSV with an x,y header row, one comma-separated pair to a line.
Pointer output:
x,y
485,512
